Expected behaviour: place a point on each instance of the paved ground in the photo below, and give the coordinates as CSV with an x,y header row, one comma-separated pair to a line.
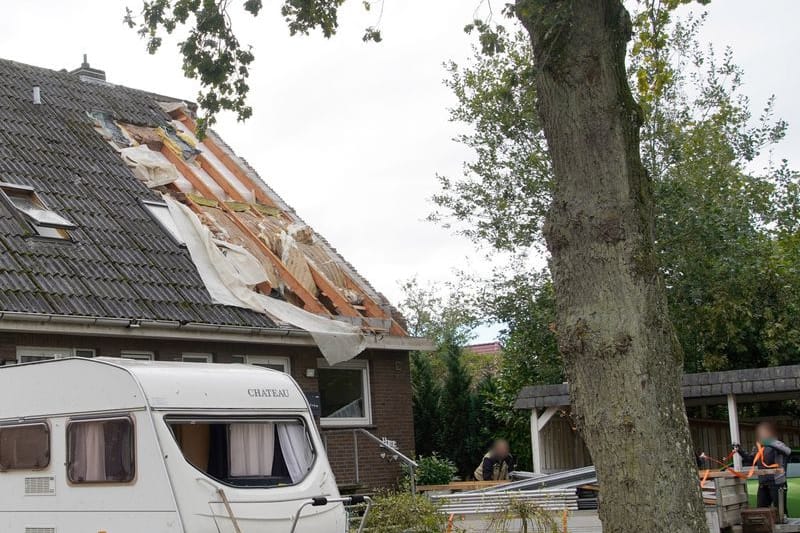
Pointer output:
x,y
578,522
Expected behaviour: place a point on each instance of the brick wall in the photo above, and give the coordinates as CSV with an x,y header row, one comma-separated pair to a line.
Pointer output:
x,y
390,384
392,417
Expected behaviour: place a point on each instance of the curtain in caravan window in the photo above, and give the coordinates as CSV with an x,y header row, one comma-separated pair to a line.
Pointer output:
x,y
296,449
252,449
88,453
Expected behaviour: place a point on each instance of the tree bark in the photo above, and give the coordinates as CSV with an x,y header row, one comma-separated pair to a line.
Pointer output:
x,y
622,357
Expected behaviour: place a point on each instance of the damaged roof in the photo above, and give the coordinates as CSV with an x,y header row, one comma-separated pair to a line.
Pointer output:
x,y
94,154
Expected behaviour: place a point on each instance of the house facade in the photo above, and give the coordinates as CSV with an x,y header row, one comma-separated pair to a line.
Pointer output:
x,y
124,235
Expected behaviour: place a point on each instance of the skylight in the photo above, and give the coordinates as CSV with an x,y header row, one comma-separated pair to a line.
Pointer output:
x,y
45,222
160,212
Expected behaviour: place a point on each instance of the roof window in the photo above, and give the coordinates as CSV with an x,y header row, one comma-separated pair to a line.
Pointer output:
x,y
160,212
45,222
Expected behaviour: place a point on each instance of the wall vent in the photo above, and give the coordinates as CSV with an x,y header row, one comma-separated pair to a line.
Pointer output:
x,y
40,530
40,486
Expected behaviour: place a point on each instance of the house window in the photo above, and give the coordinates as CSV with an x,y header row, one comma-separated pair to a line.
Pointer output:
x,y
281,364
197,358
137,354
100,451
160,212
24,447
30,354
45,222
344,393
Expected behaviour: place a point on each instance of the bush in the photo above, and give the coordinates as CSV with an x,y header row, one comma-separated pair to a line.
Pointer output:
x,y
404,512
435,470
530,517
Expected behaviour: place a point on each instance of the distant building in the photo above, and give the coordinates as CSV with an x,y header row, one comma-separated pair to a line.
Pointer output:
x,y
485,348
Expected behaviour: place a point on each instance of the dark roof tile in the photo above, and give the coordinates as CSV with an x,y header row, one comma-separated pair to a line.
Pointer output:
x,y
122,263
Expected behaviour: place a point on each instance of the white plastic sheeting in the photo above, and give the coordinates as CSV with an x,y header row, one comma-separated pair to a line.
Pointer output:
x,y
151,167
231,275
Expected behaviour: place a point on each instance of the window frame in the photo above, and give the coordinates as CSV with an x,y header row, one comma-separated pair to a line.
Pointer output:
x,y
176,418
366,389
207,357
9,190
138,355
31,423
49,353
88,419
173,234
262,360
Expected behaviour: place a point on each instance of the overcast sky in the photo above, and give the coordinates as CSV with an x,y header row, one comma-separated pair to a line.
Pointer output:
x,y
353,134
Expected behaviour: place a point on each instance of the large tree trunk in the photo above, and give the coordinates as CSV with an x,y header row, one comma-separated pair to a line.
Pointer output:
x,y
622,357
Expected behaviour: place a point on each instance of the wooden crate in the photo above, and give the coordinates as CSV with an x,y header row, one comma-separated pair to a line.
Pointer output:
x,y
760,520
731,496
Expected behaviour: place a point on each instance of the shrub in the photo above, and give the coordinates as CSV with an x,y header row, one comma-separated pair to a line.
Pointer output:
x,y
403,512
435,470
528,515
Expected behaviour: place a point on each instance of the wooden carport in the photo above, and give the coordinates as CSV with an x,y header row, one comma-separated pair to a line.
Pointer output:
x,y
728,388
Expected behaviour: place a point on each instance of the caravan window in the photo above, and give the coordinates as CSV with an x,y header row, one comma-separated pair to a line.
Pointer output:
x,y
100,451
25,447
246,453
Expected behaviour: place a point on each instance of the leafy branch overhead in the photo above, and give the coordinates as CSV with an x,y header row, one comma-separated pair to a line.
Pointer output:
x,y
214,55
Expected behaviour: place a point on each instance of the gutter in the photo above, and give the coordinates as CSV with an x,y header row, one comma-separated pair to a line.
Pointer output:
x,y
15,322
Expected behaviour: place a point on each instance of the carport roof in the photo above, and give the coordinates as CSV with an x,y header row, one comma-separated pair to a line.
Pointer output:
x,y
749,385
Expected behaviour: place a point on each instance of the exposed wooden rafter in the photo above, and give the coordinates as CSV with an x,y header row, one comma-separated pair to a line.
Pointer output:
x,y
227,161
343,306
310,302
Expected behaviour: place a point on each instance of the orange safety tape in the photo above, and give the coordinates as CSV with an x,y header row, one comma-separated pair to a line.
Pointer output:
x,y
759,458
705,478
450,522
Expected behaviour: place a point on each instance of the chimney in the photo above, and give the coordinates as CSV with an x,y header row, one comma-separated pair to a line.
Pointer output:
x,y
37,95
85,71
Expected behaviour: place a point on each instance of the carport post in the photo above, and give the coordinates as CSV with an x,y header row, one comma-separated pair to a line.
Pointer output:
x,y
733,421
537,425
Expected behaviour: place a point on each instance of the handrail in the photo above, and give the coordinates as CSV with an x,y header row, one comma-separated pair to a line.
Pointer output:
x,y
410,463
383,444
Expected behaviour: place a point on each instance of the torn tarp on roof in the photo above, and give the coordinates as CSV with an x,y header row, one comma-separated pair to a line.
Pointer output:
x,y
151,167
109,129
230,279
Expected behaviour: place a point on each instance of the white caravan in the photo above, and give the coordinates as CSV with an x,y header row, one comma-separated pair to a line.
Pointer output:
x,y
122,446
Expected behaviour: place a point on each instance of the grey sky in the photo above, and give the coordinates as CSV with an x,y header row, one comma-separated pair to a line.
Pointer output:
x,y
352,134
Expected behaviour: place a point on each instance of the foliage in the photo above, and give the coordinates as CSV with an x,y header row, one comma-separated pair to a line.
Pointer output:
x,y
435,470
505,190
453,394
716,217
426,395
458,413
532,517
211,51
525,303
722,229
401,512
438,313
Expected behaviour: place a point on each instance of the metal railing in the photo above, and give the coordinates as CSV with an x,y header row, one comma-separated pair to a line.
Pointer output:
x,y
390,453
